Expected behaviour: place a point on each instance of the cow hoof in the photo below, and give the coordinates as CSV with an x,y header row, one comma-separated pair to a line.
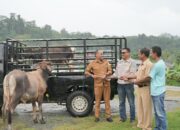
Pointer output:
x,y
42,122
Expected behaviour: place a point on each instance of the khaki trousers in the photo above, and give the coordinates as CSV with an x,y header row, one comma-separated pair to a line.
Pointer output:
x,y
144,108
102,88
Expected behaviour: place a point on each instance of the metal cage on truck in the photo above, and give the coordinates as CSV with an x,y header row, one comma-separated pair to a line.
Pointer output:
x,y
69,56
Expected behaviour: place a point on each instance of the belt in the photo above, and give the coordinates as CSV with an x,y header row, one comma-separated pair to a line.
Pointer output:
x,y
143,85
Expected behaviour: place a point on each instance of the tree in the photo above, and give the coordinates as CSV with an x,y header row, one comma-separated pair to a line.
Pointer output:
x,y
64,33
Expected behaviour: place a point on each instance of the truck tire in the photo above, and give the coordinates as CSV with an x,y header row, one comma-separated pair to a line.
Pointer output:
x,y
79,104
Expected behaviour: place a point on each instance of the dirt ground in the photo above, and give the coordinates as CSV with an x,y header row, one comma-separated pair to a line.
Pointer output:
x,y
56,115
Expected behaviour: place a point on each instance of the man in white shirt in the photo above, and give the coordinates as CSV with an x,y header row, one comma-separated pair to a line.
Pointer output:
x,y
124,67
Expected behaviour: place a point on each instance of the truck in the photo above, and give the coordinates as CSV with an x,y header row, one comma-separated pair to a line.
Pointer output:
x,y
67,85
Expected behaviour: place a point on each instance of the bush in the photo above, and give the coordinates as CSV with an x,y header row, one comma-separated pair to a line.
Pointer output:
x,y
173,74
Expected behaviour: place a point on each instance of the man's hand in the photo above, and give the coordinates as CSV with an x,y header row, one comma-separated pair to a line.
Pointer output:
x,y
137,82
125,78
108,74
94,76
103,76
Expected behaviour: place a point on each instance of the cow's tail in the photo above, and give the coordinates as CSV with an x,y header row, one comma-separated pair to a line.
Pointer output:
x,y
9,85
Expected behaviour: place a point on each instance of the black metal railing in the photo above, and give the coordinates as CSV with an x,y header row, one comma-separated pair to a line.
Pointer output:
x,y
74,57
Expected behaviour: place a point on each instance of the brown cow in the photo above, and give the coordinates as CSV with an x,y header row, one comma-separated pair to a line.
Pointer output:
x,y
62,54
20,86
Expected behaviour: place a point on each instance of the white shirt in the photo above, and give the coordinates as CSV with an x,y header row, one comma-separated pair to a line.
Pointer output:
x,y
124,67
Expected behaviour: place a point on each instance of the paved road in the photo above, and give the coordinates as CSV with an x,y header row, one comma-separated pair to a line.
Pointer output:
x,y
173,88
170,102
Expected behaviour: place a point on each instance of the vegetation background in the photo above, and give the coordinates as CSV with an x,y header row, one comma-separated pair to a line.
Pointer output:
x,y
14,26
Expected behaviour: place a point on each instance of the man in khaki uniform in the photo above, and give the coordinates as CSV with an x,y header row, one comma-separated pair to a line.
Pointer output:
x,y
99,69
144,103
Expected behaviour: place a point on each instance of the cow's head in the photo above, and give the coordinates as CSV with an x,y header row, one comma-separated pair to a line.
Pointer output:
x,y
46,66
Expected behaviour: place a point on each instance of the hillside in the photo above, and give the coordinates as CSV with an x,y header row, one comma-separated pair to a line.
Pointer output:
x,y
15,26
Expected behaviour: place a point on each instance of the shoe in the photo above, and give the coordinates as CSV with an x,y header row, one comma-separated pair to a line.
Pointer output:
x,y
109,119
97,119
133,122
122,120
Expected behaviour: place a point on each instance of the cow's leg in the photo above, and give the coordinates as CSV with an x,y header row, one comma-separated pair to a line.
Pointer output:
x,y
3,109
9,113
14,101
9,120
4,115
41,118
35,120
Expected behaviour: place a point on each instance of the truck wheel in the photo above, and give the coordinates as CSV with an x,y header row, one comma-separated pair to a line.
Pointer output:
x,y
79,103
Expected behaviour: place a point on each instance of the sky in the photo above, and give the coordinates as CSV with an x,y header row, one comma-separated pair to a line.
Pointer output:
x,y
100,17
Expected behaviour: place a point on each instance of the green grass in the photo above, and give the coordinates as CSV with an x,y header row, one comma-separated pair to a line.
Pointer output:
x,y
87,123
17,125
171,82
174,120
